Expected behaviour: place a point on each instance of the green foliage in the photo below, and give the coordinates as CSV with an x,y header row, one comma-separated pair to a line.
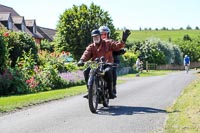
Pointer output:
x,y
75,26
47,74
70,67
19,42
187,42
26,64
2,54
171,52
159,52
190,47
54,58
46,45
48,78
4,60
128,59
12,81
187,38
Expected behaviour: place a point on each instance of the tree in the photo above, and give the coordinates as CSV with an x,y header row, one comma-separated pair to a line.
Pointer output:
x,y
197,28
159,52
19,42
187,38
189,27
75,26
164,28
181,28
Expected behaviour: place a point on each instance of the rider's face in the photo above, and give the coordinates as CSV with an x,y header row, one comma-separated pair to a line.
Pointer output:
x,y
96,39
104,35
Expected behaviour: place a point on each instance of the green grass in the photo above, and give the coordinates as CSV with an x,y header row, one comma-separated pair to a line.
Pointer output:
x,y
164,35
184,115
16,102
149,73
12,103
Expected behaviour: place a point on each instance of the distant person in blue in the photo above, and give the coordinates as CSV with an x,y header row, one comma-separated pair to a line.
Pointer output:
x,y
186,62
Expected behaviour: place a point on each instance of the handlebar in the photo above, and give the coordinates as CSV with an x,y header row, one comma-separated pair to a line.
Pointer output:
x,y
101,63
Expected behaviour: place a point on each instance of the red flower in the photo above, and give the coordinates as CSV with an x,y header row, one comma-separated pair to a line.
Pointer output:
x,y
6,34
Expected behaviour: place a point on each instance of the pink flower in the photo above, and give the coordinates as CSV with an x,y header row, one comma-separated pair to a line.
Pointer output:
x,y
6,34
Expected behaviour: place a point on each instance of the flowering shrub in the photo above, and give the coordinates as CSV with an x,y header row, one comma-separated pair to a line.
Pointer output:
x,y
5,82
12,81
3,49
32,83
20,42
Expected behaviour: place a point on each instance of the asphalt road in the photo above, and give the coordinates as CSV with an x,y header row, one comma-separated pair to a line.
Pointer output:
x,y
139,108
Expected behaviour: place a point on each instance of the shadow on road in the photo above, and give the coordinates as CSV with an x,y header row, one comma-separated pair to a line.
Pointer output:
x,y
127,110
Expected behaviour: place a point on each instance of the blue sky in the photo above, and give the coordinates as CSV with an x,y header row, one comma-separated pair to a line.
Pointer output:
x,y
131,14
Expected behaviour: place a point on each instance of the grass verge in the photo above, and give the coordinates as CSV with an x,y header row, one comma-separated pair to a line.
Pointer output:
x,y
149,73
17,102
184,115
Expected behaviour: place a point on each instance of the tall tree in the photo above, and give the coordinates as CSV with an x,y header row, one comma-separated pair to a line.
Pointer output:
x,y
75,26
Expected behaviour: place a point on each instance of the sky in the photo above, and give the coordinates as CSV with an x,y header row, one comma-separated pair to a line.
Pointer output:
x,y
131,14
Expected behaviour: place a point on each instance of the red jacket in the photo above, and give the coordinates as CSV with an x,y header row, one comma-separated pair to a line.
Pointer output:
x,y
105,49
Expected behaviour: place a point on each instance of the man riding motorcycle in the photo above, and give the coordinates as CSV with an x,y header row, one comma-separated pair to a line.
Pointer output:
x,y
104,48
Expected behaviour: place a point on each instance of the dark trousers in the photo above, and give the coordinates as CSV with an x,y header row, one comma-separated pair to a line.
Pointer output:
x,y
108,77
114,77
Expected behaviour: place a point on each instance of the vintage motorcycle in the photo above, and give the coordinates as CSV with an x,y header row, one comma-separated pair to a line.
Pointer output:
x,y
98,93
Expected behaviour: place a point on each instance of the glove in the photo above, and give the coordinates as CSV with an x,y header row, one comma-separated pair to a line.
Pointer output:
x,y
125,35
80,63
122,51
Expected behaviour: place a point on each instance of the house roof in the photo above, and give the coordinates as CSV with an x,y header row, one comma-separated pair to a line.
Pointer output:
x,y
8,9
41,32
4,16
18,19
35,35
46,33
30,23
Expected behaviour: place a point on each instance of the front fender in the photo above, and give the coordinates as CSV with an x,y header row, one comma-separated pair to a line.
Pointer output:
x,y
91,79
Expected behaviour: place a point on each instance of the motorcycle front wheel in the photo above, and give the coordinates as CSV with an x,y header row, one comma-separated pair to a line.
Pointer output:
x,y
93,97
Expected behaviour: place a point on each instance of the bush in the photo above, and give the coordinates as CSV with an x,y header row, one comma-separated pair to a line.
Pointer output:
x,y
19,42
12,81
159,52
2,54
3,49
69,67
128,59
46,45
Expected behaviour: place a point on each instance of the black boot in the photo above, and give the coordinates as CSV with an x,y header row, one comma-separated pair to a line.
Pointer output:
x,y
112,95
114,90
85,96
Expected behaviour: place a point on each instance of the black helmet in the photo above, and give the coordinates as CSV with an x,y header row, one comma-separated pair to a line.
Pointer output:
x,y
95,32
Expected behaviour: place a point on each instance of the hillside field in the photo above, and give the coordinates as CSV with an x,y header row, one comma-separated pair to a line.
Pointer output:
x,y
164,35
